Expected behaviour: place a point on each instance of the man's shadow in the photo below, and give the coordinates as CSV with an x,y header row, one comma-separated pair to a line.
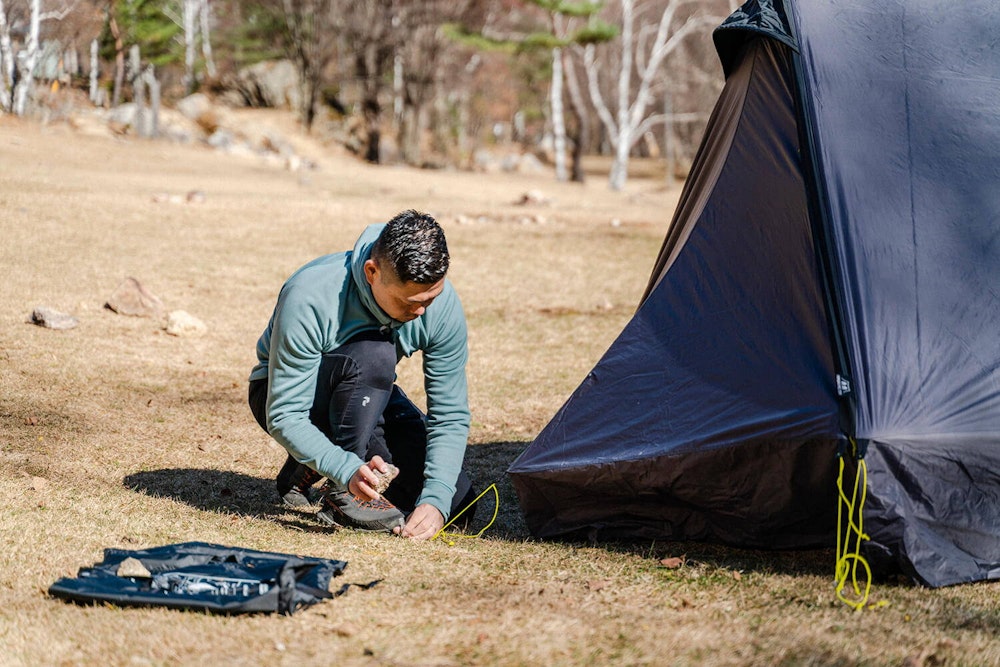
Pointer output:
x,y
222,491
230,492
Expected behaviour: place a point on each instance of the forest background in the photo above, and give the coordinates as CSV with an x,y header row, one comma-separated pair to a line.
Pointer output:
x,y
426,83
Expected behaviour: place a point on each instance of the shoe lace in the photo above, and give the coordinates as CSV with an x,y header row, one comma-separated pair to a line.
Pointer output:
x,y
379,503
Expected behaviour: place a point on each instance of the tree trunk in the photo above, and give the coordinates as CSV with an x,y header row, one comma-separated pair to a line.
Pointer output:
x,y
206,38
581,133
94,71
154,101
619,168
372,112
138,91
558,117
116,92
26,78
190,36
6,62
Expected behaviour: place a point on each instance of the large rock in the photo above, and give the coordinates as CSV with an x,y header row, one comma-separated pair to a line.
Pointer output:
x,y
132,298
272,83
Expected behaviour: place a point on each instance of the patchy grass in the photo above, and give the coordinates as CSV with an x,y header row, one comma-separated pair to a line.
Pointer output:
x,y
114,434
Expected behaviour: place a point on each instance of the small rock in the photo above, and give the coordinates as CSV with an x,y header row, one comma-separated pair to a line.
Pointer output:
x,y
533,197
133,567
131,298
51,318
182,323
385,478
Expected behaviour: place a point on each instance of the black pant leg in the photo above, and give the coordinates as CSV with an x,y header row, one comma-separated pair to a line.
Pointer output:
x,y
406,438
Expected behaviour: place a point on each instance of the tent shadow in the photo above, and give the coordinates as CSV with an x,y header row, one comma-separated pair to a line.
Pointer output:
x,y
222,491
487,463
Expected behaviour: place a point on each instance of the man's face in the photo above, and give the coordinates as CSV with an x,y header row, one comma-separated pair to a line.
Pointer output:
x,y
401,301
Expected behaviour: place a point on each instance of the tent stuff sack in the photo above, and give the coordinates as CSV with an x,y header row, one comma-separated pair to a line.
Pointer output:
x,y
201,576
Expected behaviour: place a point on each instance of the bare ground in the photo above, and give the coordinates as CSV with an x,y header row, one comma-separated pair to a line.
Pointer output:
x,y
116,434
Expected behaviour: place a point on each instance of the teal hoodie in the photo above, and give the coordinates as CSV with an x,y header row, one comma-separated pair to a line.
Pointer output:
x,y
322,306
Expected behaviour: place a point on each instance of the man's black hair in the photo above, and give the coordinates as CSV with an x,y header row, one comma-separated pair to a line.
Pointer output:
x,y
413,246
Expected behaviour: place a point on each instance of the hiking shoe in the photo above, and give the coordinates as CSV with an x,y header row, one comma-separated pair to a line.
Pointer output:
x,y
295,482
342,509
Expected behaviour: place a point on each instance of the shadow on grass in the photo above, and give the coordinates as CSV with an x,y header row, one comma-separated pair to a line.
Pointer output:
x,y
232,492
221,491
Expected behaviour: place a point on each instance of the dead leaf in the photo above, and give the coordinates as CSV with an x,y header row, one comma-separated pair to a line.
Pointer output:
x,y
597,584
673,562
39,484
737,576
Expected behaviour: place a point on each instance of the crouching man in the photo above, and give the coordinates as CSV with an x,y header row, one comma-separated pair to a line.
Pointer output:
x,y
324,383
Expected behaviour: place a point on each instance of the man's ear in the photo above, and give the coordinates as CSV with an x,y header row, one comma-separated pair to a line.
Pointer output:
x,y
371,271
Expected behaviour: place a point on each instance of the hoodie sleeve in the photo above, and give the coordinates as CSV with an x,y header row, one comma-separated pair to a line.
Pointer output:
x,y
296,348
444,359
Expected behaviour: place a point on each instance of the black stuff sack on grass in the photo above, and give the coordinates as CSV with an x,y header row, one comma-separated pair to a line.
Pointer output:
x,y
202,576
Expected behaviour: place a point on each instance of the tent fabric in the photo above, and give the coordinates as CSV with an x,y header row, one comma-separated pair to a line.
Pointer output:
x,y
903,104
730,352
832,272
208,577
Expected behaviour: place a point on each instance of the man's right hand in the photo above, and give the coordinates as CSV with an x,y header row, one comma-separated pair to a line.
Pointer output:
x,y
363,481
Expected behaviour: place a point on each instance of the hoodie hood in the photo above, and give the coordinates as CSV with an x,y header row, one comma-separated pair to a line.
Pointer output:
x,y
361,254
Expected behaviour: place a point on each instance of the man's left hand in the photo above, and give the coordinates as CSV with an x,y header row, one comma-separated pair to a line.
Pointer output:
x,y
423,523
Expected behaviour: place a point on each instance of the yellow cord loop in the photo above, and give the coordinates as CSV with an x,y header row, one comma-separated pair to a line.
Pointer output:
x,y
451,537
850,534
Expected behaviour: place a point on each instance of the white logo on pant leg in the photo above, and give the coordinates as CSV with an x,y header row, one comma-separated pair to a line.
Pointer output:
x,y
365,401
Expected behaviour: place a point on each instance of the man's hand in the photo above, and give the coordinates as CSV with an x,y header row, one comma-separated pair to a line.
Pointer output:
x,y
423,523
363,481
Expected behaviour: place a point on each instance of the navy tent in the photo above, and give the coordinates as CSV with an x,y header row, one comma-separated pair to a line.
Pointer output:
x,y
832,272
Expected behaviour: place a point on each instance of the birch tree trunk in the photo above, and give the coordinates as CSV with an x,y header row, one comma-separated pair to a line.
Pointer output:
x,y
26,78
154,101
558,117
94,70
138,92
116,92
6,61
191,8
206,37
582,134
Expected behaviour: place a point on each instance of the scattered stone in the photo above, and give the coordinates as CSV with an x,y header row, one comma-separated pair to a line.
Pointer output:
x,y
167,198
533,197
133,567
182,323
221,139
131,298
51,318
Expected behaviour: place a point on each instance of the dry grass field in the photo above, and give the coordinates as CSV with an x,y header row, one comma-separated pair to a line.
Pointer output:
x,y
116,434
